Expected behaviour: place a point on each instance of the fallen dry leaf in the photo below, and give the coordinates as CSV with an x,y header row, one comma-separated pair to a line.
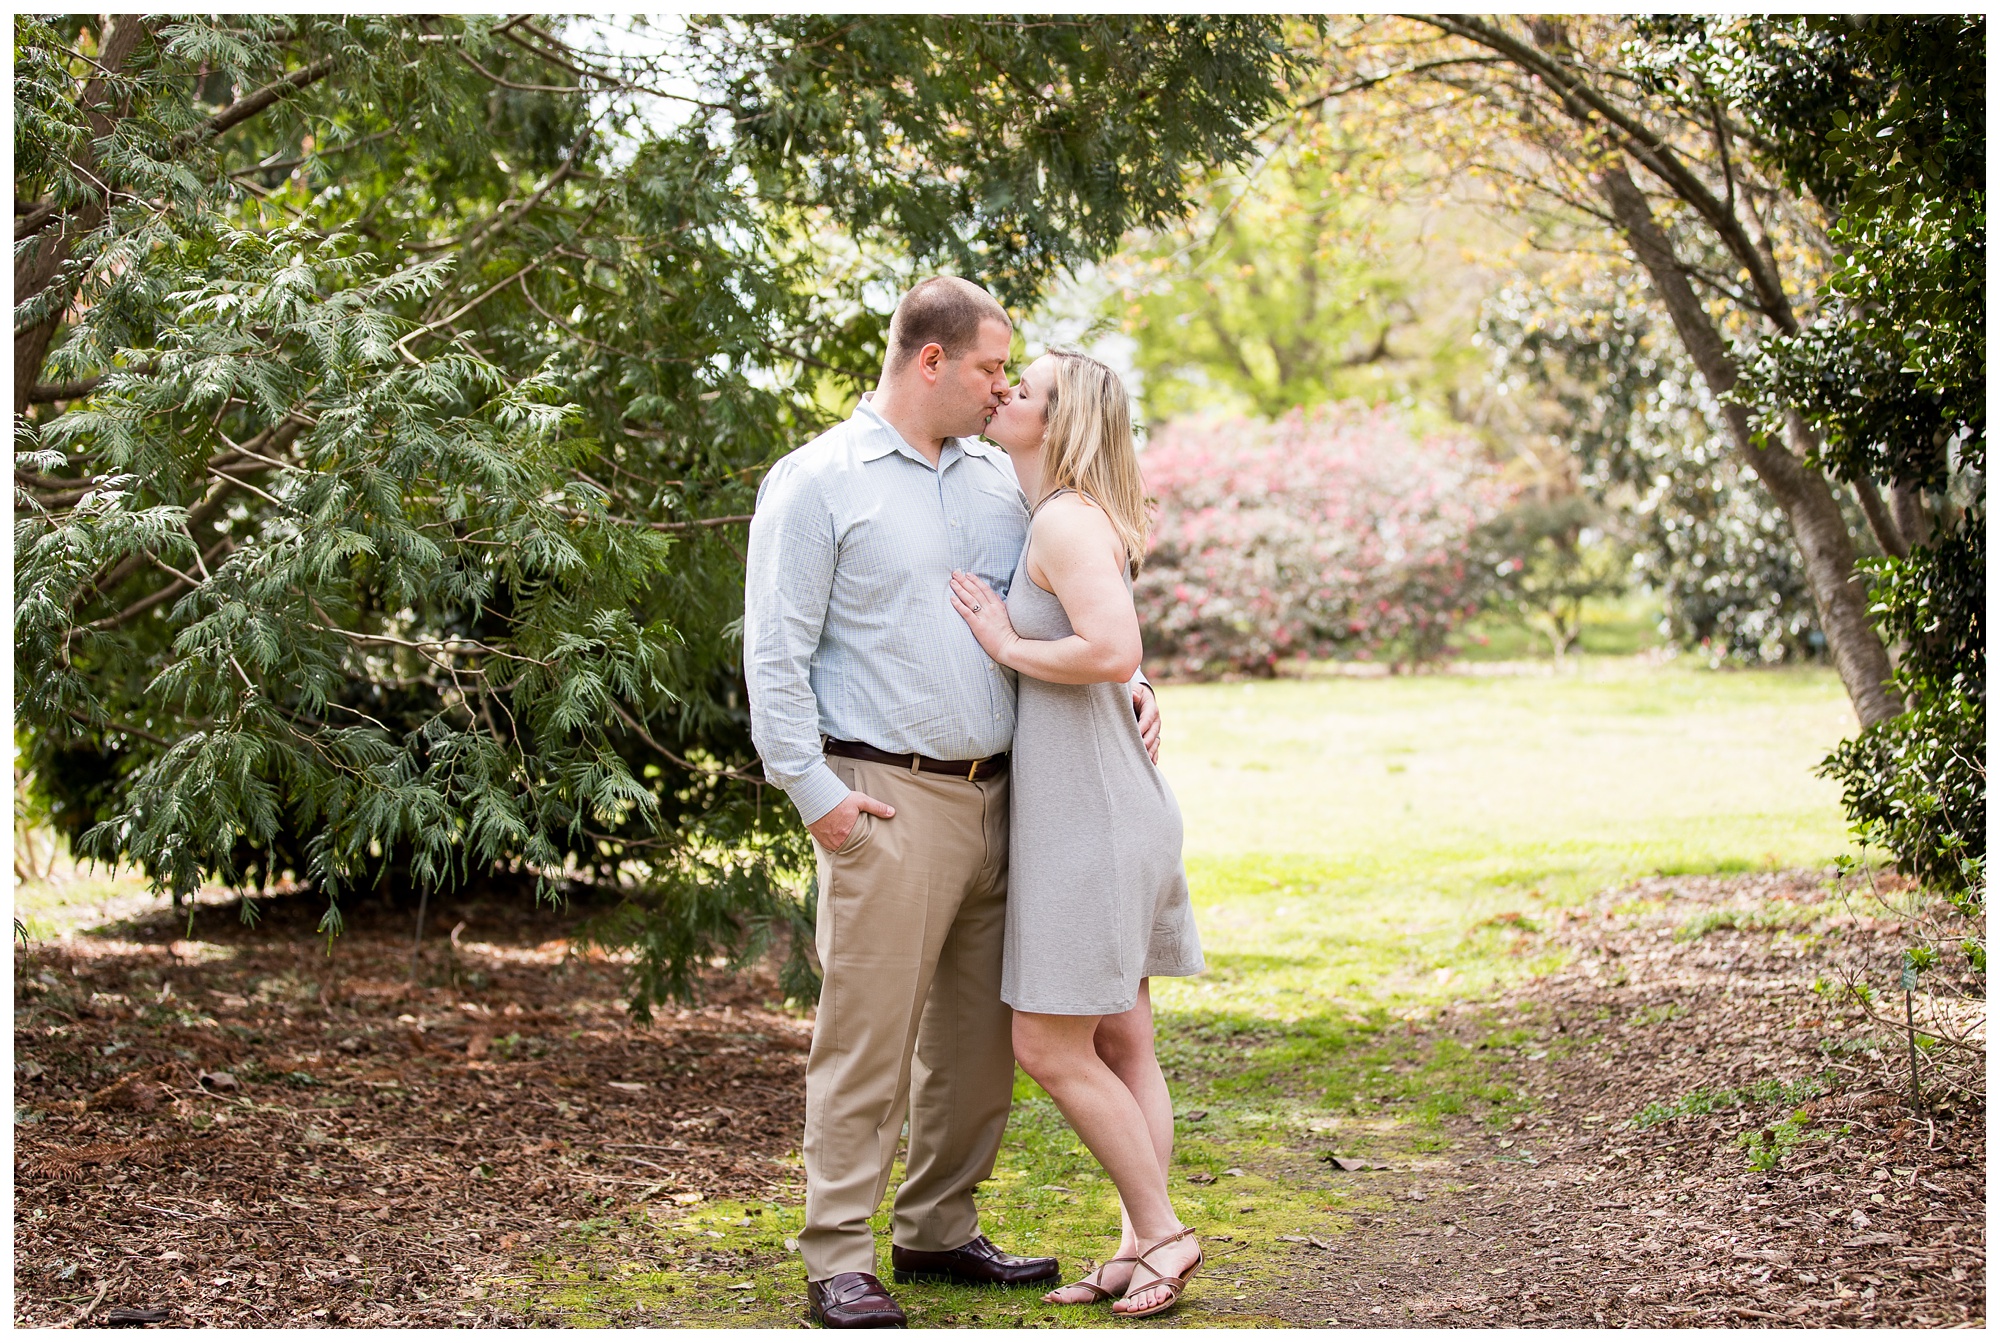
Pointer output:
x,y
126,1094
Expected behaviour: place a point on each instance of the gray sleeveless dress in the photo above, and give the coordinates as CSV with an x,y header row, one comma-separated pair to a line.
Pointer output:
x,y
1096,895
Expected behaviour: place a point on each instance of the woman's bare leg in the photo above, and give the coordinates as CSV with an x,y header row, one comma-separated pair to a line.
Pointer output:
x,y
1061,1053
1125,1043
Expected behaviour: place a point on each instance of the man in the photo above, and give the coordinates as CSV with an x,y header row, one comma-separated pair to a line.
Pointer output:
x,y
876,710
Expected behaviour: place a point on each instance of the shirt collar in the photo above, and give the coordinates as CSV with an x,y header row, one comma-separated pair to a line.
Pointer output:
x,y
883,439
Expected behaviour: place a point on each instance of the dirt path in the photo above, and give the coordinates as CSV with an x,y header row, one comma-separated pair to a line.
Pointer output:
x,y
1576,1218
398,1155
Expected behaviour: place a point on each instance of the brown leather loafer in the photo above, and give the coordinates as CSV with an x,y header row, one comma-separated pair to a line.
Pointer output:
x,y
854,1301
978,1261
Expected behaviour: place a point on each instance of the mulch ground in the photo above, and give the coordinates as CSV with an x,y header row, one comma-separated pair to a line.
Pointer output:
x,y
386,1148
1577,1218
378,1148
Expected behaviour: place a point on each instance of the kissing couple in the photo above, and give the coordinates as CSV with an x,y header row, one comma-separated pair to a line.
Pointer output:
x,y
942,656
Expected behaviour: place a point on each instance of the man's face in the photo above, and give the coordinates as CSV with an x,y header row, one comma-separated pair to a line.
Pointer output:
x,y
970,388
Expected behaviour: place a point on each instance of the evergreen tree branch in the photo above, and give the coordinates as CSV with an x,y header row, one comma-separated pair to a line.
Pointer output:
x,y
692,768
246,485
119,725
279,437
43,393
167,593
529,294
356,637
577,66
186,580
507,219
687,526
37,267
35,220
285,165
431,328
521,88
252,104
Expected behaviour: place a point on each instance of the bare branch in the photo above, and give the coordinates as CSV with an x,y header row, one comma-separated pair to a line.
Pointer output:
x,y
246,485
171,590
431,327
356,637
729,521
687,765
119,726
250,105
43,393
529,295
1580,99
510,84
1879,521
1367,82
273,165
32,223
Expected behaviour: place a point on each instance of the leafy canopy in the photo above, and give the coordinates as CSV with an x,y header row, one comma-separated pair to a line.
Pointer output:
x,y
391,391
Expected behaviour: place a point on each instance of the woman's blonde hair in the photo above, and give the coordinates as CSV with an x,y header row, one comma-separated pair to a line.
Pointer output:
x,y
1088,446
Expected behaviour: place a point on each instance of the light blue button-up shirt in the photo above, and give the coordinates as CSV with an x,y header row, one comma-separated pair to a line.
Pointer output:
x,y
848,629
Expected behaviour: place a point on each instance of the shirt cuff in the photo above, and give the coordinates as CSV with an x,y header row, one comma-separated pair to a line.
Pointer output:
x,y
817,793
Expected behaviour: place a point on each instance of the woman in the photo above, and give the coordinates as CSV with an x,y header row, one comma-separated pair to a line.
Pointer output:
x,y
1097,898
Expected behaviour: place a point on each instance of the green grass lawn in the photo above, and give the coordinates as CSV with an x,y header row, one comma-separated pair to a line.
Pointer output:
x,y
1345,836
1361,851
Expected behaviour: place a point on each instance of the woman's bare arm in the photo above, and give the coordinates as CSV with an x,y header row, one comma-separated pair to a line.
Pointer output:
x,y
1081,561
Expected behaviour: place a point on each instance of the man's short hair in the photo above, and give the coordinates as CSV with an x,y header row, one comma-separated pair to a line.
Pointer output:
x,y
944,311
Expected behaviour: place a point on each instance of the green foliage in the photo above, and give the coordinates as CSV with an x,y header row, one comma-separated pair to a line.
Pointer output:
x,y
1883,120
1553,555
1707,1100
1915,785
1310,281
994,147
425,367
1766,1147
1602,374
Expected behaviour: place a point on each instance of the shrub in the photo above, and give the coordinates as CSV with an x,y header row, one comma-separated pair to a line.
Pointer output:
x,y
1915,784
1324,531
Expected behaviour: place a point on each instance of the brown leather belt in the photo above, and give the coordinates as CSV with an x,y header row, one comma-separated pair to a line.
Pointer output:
x,y
973,770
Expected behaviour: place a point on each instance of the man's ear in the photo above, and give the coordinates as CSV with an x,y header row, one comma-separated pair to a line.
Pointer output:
x,y
930,360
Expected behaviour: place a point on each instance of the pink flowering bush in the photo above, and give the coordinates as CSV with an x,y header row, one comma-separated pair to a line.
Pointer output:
x,y
1327,531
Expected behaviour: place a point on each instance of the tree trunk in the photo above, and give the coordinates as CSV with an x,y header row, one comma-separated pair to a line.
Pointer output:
x,y
1888,533
37,266
1913,522
1818,529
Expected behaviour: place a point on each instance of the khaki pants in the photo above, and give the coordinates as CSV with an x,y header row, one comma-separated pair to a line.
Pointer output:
x,y
912,918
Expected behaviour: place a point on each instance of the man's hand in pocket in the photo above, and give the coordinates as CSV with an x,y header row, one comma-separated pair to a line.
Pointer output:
x,y
832,829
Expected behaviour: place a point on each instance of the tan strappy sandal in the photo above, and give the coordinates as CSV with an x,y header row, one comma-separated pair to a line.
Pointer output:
x,y
1099,1293
1174,1286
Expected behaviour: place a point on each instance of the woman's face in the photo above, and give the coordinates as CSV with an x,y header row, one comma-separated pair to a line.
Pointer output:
x,y
1021,421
